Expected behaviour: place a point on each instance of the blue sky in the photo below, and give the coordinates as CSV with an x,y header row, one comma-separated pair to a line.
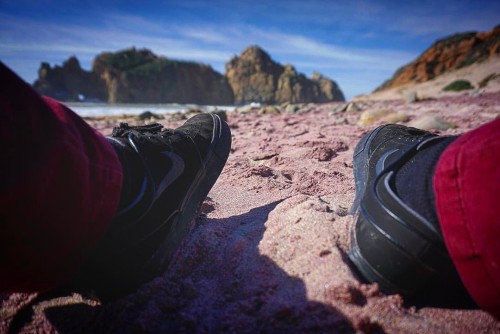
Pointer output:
x,y
357,43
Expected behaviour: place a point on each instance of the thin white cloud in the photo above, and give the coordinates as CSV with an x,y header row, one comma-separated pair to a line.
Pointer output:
x,y
34,47
443,25
203,34
132,22
295,48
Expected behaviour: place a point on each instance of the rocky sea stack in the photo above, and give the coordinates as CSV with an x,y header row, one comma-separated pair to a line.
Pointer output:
x,y
136,76
255,77
447,54
140,76
70,82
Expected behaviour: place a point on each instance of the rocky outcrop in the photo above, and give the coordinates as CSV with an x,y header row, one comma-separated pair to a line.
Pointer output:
x,y
328,88
448,54
255,77
70,82
134,76
139,76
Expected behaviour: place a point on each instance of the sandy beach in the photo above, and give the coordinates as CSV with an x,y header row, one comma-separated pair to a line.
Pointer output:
x,y
268,250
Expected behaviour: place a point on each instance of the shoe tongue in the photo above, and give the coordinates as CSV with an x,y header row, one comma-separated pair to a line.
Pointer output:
x,y
119,131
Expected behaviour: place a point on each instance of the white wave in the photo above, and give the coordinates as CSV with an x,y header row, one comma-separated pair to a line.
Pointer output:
x,y
104,109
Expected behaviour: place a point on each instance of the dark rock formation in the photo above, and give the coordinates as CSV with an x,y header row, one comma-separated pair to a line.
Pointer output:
x,y
255,77
141,76
447,54
70,82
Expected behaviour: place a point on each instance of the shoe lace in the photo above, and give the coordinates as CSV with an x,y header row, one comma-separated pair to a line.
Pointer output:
x,y
152,132
123,130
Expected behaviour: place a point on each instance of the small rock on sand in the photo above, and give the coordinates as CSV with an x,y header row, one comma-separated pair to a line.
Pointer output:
x,y
371,116
432,123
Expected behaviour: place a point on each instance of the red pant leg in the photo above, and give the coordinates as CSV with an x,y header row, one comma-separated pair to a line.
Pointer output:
x,y
60,186
467,186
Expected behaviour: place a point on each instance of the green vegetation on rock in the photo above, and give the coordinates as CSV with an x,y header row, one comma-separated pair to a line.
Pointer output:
x,y
469,60
153,67
128,59
481,51
483,83
458,85
136,63
453,40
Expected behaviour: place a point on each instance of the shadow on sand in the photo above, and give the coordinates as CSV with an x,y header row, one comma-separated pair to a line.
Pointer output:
x,y
217,283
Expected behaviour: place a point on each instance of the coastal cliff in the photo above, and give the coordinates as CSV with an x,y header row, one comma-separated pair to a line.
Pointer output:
x,y
445,55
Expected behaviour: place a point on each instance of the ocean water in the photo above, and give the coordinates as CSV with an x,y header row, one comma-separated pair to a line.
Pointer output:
x,y
105,109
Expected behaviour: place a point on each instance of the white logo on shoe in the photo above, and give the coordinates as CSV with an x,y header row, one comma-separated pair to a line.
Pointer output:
x,y
174,173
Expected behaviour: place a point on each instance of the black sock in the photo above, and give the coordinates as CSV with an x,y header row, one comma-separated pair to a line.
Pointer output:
x,y
414,181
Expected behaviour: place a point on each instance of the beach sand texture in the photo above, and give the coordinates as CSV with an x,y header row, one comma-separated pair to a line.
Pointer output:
x,y
268,250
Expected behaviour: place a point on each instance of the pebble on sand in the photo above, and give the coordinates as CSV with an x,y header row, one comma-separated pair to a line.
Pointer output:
x,y
432,123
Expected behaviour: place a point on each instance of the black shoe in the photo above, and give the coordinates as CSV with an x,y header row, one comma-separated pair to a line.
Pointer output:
x,y
174,170
391,244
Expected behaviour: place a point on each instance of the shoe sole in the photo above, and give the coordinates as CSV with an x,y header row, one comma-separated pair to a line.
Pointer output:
x,y
361,163
382,252
364,267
